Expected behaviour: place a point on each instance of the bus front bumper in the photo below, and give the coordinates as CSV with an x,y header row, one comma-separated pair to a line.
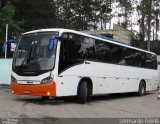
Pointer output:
x,y
47,89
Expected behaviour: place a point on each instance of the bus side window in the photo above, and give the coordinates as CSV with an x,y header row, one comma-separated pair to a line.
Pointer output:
x,y
116,52
65,52
143,59
123,55
129,56
155,62
87,48
151,61
91,50
69,52
102,51
138,59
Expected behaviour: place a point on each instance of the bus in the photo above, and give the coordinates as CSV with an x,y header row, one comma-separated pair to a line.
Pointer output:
x,y
63,62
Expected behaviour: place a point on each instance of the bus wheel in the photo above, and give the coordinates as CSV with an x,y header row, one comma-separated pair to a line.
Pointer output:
x,y
142,89
44,98
83,92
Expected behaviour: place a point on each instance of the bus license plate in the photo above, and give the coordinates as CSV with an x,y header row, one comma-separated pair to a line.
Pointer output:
x,y
27,92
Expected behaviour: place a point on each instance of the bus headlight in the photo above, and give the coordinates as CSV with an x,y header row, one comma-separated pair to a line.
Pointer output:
x,y
13,79
47,80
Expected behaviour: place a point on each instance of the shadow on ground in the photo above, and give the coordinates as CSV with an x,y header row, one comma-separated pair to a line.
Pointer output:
x,y
74,99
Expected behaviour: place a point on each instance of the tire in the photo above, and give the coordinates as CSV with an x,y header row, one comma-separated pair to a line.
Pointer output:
x,y
83,92
142,89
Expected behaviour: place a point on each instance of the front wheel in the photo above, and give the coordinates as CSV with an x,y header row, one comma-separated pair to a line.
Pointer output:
x,y
142,89
83,92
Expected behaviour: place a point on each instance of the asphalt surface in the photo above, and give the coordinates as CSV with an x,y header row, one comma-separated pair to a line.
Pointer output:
x,y
107,106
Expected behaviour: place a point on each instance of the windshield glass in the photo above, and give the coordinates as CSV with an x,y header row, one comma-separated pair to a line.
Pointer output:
x,y
32,56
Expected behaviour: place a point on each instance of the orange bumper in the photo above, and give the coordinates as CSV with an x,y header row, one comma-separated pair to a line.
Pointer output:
x,y
48,89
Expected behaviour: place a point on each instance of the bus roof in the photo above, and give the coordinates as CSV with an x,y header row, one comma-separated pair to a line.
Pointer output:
x,y
61,30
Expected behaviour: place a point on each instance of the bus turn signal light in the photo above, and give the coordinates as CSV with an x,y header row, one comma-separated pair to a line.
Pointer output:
x,y
12,91
48,93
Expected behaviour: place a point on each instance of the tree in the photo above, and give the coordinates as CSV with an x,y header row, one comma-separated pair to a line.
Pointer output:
x,y
6,17
84,14
141,9
35,14
149,21
156,13
149,6
126,9
78,15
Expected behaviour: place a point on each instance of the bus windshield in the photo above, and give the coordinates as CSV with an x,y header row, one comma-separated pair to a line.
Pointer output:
x,y
32,56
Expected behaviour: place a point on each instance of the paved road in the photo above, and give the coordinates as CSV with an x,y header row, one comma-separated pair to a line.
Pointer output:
x,y
108,106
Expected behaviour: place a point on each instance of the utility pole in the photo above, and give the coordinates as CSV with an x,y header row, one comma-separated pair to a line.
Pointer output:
x,y
6,41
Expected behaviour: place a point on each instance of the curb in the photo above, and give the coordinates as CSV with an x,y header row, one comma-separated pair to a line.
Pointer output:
x,y
5,86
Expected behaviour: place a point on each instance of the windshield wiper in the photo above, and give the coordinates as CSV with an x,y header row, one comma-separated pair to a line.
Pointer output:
x,y
32,54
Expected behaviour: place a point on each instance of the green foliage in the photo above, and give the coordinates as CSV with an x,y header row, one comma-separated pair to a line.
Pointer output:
x,y
72,14
84,14
35,13
81,15
6,17
149,20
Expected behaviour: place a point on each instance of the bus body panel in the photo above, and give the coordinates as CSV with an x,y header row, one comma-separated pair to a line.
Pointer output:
x,y
48,89
106,78
67,85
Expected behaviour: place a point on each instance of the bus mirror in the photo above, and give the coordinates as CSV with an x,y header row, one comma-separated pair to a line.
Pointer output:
x,y
51,43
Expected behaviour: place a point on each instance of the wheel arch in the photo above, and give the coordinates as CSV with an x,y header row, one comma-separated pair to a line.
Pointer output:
x,y
144,81
89,85
141,88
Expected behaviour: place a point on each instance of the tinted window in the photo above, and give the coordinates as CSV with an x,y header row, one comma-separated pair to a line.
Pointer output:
x,y
151,61
117,53
69,54
103,51
86,47
130,57
77,48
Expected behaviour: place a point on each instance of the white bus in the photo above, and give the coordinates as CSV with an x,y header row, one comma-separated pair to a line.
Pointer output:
x,y
62,62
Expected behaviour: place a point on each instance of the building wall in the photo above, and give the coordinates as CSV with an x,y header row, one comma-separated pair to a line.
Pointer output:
x,y
122,34
118,33
5,71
